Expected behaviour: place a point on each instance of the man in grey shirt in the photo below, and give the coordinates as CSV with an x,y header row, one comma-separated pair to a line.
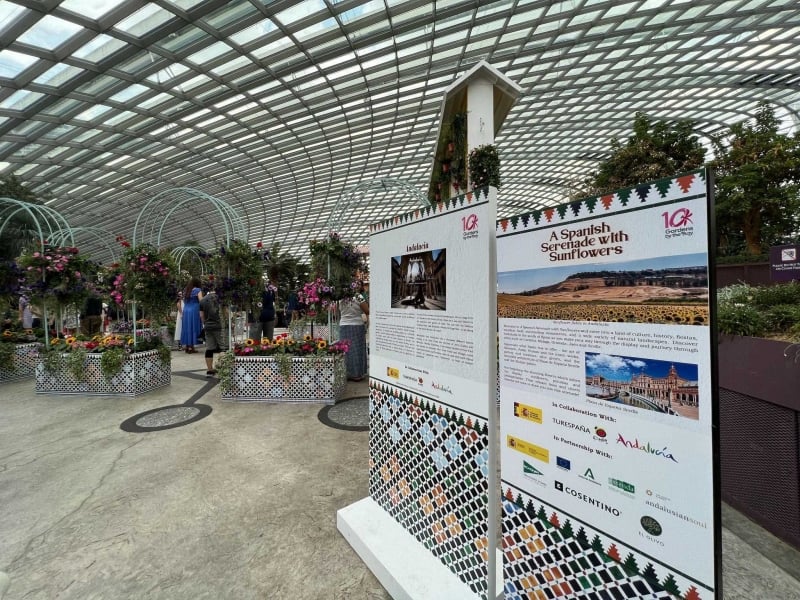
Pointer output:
x,y
215,335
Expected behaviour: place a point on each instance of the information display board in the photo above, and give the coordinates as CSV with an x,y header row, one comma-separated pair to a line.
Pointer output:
x,y
607,390
431,312
784,262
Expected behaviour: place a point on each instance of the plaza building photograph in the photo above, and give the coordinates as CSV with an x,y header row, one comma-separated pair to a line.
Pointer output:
x,y
221,328
671,394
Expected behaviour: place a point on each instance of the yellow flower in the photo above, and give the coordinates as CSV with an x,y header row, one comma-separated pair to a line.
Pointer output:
x,y
265,341
70,340
7,333
55,341
28,331
307,337
249,342
322,344
280,341
130,341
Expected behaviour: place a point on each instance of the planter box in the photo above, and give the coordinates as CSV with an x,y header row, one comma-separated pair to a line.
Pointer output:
x,y
759,427
259,379
25,357
140,373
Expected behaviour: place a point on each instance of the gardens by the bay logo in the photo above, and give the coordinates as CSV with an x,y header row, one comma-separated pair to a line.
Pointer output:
x,y
678,223
469,225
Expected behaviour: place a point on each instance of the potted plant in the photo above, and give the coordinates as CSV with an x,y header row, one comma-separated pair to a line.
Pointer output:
x,y
484,166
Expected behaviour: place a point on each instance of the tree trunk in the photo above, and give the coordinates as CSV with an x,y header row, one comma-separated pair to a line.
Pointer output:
x,y
751,227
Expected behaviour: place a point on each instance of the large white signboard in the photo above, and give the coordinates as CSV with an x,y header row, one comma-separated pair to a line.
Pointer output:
x,y
606,392
431,318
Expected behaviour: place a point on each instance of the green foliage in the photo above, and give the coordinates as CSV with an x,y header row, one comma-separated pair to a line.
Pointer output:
x,y
655,150
757,184
741,319
164,354
782,317
224,366
337,261
20,230
237,274
484,166
147,275
756,311
7,354
111,362
285,271
60,274
75,362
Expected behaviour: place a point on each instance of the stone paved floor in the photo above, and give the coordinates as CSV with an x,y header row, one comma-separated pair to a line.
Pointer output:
x,y
238,505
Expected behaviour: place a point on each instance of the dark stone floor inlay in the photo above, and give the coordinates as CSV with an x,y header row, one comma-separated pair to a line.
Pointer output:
x,y
168,416
165,417
350,415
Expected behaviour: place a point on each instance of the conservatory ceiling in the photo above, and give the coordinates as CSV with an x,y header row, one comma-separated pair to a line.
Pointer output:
x,y
283,109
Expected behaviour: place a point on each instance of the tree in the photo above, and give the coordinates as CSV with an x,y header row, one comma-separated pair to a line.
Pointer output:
x,y
656,149
554,520
597,544
757,184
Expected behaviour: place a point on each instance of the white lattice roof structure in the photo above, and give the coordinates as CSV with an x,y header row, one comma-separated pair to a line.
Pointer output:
x,y
279,108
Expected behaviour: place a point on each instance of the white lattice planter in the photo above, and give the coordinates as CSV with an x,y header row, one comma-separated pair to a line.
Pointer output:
x,y
25,357
314,379
141,372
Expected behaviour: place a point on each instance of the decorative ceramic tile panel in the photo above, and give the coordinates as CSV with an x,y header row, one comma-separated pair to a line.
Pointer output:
x,y
547,554
429,470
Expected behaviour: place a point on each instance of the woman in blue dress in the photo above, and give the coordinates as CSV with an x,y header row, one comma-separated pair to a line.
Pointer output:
x,y
190,325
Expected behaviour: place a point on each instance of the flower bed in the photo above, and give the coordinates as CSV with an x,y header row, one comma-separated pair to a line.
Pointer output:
x,y
141,372
25,356
319,379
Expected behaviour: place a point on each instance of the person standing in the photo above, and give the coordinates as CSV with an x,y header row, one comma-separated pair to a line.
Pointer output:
x,y
292,307
265,326
351,327
25,314
190,325
215,336
179,321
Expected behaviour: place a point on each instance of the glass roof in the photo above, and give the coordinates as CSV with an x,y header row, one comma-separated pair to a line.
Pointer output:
x,y
289,110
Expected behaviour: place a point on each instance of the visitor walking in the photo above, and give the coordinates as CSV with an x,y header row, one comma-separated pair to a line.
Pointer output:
x,y
212,323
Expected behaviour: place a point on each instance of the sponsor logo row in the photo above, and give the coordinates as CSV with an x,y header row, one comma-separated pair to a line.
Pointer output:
x,y
598,432
419,380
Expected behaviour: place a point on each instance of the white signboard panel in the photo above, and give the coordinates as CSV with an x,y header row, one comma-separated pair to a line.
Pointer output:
x,y
606,391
